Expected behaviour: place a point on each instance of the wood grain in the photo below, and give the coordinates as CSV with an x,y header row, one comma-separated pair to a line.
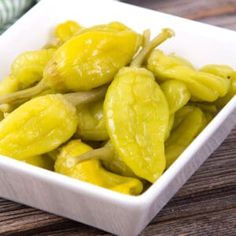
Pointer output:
x,y
206,205
217,12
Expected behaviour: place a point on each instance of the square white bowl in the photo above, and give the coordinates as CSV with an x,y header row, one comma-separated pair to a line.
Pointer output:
x,y
86,203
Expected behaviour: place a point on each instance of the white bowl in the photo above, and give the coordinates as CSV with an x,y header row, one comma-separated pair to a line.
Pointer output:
x,y
86,203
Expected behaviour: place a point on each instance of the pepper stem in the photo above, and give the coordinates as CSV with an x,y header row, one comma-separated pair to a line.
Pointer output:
x,y
22,95
104,153
5,108
84,97
146,37
146,50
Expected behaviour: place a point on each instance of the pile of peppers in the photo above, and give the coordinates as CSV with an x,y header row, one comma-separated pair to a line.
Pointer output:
x,y
103,105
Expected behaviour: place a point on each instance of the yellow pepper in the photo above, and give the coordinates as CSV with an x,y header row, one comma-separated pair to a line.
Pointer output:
x,y
177,60
206,107
91,124
115,164
170,125
28,67
137,115
189,121
92,171
43,123
221,102
1,115
109,158
86,61
226,72
138,123
150,113
223,71
8,85
38,126
203,86
92,58
26,70
66,30
176,93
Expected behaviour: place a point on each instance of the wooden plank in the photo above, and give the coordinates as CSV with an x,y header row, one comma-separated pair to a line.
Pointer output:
x,y
217,12
200,224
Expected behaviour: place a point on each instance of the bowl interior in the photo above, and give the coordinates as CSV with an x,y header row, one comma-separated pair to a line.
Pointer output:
x,y
200,43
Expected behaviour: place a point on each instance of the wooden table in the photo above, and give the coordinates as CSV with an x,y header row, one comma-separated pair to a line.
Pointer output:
x,y
206,205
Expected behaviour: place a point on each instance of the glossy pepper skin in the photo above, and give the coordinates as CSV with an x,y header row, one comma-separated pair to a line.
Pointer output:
x,y
115,164
221,102
86,61
92,171
203,86
226,72
66,30
28,67
189,121
91,123
176,93
177,96
223,71
38,126
92,58
8,85
137,124
26,70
